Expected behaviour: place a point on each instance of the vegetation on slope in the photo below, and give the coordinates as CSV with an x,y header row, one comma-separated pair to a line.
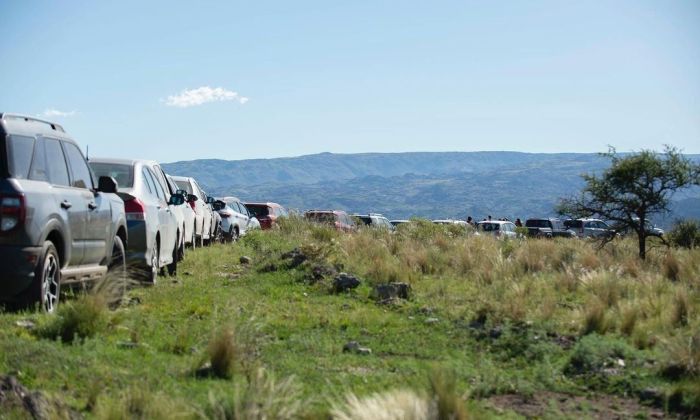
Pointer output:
x,y
491,328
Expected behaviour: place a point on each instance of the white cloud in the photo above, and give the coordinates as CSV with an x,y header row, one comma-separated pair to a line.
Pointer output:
x,y
202,95
50,112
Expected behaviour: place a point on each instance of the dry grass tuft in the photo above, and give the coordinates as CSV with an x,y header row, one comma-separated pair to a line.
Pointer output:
x,y
263,398
390,405
222,353
671,267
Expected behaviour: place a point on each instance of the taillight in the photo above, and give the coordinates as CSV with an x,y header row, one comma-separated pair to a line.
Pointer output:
x,y
134,209
12,212
192,205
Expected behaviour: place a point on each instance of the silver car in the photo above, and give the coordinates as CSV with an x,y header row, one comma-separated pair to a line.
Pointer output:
x,y
589,228
235,218
202,211
153,229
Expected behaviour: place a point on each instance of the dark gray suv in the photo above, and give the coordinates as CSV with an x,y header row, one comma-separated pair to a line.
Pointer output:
x,y
56,228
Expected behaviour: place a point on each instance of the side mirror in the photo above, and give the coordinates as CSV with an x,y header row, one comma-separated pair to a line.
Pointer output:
x,y
210,200
191,198
107,184
176,200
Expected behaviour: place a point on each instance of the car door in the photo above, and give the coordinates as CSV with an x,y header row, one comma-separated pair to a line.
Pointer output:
x,y
166,220
70,202
206,210
242,216
98,216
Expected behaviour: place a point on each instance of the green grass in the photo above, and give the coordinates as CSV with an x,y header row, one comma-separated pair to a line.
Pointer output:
x,y
512,317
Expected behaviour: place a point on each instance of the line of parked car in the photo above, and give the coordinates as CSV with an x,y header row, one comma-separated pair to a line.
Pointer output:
x,y
65,219
536,227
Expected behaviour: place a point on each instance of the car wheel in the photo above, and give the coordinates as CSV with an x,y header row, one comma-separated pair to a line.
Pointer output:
x,y
46,287
155,261
235,235
181,250
116,270
172,267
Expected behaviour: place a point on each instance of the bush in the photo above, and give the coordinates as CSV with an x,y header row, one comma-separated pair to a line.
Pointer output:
x,y
83,318
594,353
685,233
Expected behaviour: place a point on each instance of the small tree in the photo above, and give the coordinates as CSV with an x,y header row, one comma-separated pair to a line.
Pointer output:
x,y
633,188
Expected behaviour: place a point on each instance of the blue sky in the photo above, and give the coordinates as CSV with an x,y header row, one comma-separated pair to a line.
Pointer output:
x,y
172,80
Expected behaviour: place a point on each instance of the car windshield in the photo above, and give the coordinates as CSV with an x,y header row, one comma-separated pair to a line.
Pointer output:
x,y
537,223
321,217
490,227
573,224
258,210
19,155
184,185
122,173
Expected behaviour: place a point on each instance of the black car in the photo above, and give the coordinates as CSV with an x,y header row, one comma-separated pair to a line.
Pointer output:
x,y
56,227
547,228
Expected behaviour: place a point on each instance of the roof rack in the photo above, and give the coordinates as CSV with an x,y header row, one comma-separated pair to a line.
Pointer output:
x,y
54,126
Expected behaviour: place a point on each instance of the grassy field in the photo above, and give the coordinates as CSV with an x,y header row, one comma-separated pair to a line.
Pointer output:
x,y
491,329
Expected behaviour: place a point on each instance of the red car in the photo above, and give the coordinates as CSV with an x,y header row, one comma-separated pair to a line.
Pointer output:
x,y
337,218
266,213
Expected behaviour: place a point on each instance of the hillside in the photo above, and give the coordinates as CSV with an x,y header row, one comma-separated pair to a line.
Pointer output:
x,y
400,185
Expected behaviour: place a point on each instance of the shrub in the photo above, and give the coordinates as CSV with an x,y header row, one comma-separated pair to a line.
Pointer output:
x,y
593,353
685,233
79,319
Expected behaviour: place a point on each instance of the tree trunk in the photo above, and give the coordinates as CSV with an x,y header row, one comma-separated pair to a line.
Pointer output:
x,y
642,244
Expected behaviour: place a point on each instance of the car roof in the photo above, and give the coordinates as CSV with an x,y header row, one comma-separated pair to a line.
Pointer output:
x,y
500,222
118,161
269,204
27,125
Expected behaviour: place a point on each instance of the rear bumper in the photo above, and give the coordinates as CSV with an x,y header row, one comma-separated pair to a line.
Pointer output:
x,y
18,265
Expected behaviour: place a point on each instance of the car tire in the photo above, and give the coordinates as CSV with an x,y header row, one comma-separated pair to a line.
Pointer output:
x,y
116,270
155,261
172,267
46,287
181,250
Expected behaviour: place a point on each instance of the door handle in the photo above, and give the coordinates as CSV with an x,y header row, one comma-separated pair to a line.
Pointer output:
x,y
65,204
92,205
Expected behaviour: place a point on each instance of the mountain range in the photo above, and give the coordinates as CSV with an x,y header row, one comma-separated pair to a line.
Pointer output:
x,y
424,184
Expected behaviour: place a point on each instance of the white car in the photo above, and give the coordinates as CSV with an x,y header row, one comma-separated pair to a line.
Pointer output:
x,y
497,228
202,211
188,215
235,218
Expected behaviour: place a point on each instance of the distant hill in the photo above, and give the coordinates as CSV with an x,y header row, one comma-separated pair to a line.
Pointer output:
x,y
400,185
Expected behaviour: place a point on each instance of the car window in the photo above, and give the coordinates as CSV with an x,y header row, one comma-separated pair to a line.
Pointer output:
x,y
38,170
148,181
19,155
158,173
156,185
81,175
121,172
58,171
258,211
